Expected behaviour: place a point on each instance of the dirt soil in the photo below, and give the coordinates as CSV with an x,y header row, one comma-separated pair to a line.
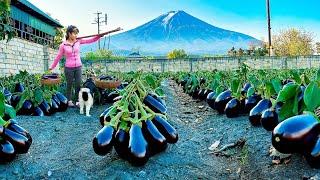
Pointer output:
x,y
62,148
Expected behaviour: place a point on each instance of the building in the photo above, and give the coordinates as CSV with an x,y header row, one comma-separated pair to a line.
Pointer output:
x,y
32,24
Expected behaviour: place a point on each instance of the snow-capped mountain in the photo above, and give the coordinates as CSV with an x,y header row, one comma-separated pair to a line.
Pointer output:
x,y
179,30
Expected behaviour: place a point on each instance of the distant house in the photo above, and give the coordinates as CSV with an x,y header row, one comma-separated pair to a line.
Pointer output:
x,y
32,24
135,55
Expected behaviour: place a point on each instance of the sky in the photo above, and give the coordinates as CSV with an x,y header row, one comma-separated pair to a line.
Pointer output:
x,y
247,16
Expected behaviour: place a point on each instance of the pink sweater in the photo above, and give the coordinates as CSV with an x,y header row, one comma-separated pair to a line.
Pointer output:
x,y
72,52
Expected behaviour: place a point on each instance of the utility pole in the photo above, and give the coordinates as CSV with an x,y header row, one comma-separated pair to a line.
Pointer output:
x,y
269,26
99,21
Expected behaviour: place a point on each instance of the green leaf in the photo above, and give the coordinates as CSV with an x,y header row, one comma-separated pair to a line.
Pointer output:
x,y
159,91
250,91
311,96
276,85
1,104
295,103
269,90
286,110
38,95
10,110
235,85
318,75
296,77
287,92
151,80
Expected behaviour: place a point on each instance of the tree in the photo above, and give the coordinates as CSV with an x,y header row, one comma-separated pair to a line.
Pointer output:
x,y
6,30
177,54
58,38
293,42
240,52
232,52
318,47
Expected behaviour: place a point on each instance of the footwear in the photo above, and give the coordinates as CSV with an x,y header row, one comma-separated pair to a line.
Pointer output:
x,y
70,104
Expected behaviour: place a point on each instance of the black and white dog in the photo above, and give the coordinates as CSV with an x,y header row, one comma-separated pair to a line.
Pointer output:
x,y
86,95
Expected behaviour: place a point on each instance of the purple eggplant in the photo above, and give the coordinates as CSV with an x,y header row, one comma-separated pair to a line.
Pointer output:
x,y
121,143
313,158
297,134
232,108
20,143
269,119
251,102
154,104
156,141
13,125
26,109
211,98
138,146
256,112
7,152
166,129
221,101
63,102
103,141
245,89
37,112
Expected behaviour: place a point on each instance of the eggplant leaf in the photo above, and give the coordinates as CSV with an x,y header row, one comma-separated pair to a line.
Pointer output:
x,y
286,110
276,85
287,92
150,79
311,96
1,104
10,110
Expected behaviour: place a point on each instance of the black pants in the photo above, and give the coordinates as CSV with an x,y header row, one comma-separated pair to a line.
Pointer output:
x,y
73,75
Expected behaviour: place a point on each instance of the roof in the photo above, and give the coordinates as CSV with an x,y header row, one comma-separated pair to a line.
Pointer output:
x,y
26,6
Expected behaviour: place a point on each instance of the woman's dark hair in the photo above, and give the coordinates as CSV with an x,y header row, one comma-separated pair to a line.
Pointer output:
x,y
71,29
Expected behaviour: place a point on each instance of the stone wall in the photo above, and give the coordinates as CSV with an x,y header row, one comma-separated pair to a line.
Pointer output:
x,y
19,54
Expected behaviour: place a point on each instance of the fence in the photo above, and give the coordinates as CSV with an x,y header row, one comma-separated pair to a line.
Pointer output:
x,y
205,64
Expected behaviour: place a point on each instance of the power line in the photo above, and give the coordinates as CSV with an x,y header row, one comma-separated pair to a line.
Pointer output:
x,y
99,20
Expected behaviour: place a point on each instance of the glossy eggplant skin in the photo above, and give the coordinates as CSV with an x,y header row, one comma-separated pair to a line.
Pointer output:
x,y
103,141
53,107
7,94
221,101
297,134
14,100
44,106
245,89
313,158
121,143
13,125
251,102
211,99
63,102
20,143
102,115
7,152
201,94
166,129
19,88
26,109
156,141
138,146
269,119
232,108
159,99
37,112
111,96
256,112
154,104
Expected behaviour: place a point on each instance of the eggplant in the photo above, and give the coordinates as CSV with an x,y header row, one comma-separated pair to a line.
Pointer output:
x,y
53,107
103,141
37,112
221,101
63,102
138,146
269,119
251,102
111,96
159,99
297,134
7,94
19,88
245,89
14,100
156,141
102,116
55,98
7,152
211,98
26,109
194,93
232,108
44,106
13,125
201,94
121,143
313,158
278,107
20,143
166,129
256,112
154,104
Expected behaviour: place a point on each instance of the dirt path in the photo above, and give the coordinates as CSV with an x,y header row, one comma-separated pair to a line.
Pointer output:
x,y
62,148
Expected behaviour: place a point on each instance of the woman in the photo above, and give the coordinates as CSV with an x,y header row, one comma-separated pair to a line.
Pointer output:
x,y
73,66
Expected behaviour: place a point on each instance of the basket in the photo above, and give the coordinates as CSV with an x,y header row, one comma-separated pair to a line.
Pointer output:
x,y
107,84
50,81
